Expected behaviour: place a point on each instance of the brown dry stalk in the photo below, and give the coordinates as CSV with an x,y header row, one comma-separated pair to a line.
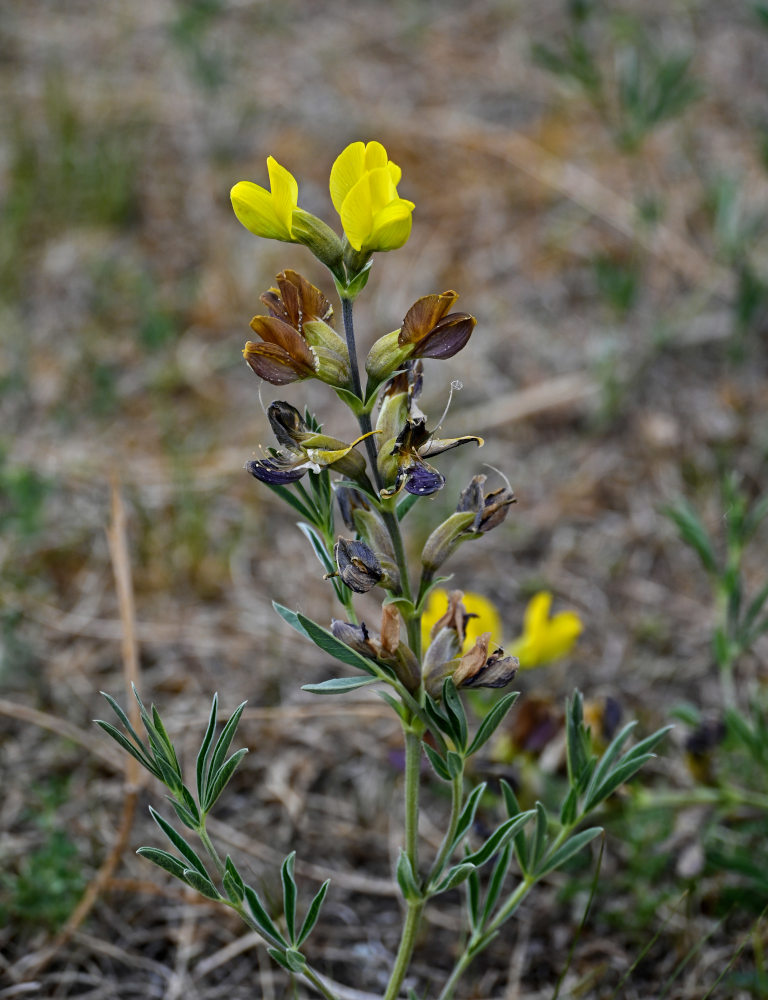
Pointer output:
x,y
121,566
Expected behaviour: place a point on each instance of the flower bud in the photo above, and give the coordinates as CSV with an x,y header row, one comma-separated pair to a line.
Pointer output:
x,y
319,238
386,356
358,566
444,540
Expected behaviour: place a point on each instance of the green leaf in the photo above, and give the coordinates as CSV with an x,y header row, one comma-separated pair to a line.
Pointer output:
x,y
473,899
571,847
454,709
338,685
187,818
499,838
291,617
262,918
312,914
406,879
163,860
455,763
405,505
219,781
693,532
437,762
202,885
496,881
205,746
455,876
609,756
220,750
289,894
318,546
233,882
351,400
539,839
467,815
290,498
395,705
119,738
330,644
492,721
621,773
170,751
439,720
289,958
513,810
569,808
181,845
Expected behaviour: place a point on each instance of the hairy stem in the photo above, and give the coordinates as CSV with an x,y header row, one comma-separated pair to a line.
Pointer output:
x,y
404,952
208,844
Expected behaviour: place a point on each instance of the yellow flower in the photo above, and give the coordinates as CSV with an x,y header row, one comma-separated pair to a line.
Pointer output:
x,y
545,639
268,213
364,193
487,620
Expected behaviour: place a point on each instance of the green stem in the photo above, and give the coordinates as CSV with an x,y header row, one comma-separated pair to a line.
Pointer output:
x,y
319,985
412,775
457,800
404,952
208,844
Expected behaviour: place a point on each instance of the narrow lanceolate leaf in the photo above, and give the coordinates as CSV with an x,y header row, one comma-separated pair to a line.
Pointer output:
x,y
513,810
568,850
262,918
437,762
406,879
499,838
539,838
186,817
201,763
492,721
473,899
318,546
290,498
222,744
455,876
454,709
569,808
126,744
289,894
163,860
289,958
330,644
202,885
611,753
621,773
496,882
233,882
166,741
405,505
398,708
338,685
693,532
291,617
219,781
181,845
467,816
312,914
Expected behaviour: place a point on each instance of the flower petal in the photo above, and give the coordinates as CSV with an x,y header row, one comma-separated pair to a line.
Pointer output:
x,y
255,209
346,171
285,193
272,363
357,213
391,226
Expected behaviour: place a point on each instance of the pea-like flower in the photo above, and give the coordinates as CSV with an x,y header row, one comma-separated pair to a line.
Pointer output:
x,y
275,215
405,440
429,330
297,341
304,450
364,192
545,639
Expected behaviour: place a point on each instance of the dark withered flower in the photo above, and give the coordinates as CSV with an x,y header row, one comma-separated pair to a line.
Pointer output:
x,y
297,341
385,647
304,450
429,330
357,564
405,440
476,514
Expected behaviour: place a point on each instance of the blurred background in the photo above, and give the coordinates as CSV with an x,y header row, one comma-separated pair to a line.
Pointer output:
x,y
592,177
